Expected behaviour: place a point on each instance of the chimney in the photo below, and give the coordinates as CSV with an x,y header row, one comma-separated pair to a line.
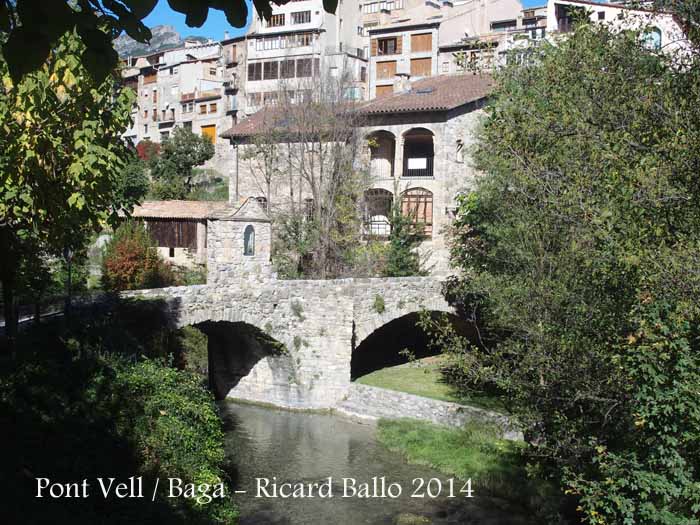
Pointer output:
x,y
225,35
402,83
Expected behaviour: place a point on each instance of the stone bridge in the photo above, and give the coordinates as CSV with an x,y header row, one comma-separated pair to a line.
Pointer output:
x,y
291,343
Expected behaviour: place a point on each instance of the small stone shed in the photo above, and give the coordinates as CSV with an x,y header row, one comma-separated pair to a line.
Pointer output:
x,y
233,240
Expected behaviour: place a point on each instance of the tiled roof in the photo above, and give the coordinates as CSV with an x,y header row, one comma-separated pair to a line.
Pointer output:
x,y
183,209
440,93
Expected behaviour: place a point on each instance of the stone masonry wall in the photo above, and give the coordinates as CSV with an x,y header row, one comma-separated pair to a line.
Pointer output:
x,y
368,402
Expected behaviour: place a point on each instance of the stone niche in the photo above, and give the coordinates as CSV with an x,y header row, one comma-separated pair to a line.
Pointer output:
x,y
239,244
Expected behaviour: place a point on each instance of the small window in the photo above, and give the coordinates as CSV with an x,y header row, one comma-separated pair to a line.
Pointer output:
x,y
262,201
276,21
171,252
212,71
249,241
387,46
212,108
301,17
202,109
601,15
459,151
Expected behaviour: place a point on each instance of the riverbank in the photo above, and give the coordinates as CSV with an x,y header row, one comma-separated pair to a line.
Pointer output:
x,y
495,466
424,377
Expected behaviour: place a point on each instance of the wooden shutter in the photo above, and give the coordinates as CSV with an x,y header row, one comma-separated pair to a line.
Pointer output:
x,y
373,47
418,205
384,90
399,44
386,69
209,132
421,42
421,67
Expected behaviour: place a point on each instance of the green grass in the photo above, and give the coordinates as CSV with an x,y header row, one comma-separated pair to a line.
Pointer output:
x,y
495,466
422,377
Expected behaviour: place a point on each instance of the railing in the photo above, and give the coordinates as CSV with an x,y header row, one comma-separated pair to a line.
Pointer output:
x,y
185,97
208,94
418,166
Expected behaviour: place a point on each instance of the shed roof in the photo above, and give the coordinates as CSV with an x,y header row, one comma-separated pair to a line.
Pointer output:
x,y
180,209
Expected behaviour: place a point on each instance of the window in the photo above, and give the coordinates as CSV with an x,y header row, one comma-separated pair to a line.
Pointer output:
x,y
209,132
212,71
301,17
445,67
187,125
417,204
276,21
155,96
421,67
255,71
171,252
421,43
145,113
287,69
188,107
309,209
360,31
652,39
386,69
387,46
505,25
384,90
377,210
304,39
459,151
164,135
212,107
262,201
601,15
145,129
202,109
304,67
249,240
163,114
270,70
363,74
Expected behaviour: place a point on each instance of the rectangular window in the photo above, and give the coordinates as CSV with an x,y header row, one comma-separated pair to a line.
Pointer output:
x,y
212,71
145,113
421,43
363,74
304,39
212,108
384,90
287,69
421,67
304,67
209,132
187,125
386,46
255,71
601,15
505,25
202,109
145,129
276,21
301,17
271,70
386,69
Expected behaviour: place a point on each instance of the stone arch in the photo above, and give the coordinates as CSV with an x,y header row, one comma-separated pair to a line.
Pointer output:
x,y
383,346
417,203
418,152
377,212
382,153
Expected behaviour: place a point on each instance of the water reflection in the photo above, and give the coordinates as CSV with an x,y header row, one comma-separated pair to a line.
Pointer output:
x,y
308,448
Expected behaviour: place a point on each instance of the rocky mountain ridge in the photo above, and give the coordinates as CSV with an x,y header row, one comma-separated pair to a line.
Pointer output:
x,y
164,37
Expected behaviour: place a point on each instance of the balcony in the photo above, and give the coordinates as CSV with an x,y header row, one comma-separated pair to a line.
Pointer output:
x,y
418,167
187,97
212,93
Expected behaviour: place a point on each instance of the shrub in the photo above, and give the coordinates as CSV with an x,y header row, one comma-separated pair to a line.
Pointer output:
x,y
131,262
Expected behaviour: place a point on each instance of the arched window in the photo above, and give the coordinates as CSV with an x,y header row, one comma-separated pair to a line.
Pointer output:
x,y
249,240
377,212
417,203
652,39
418,153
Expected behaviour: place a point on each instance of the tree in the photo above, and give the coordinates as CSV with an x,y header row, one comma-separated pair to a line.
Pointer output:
x,y
403,259
133,182
580,251
306,156
34,27
172,170
61,154
131,262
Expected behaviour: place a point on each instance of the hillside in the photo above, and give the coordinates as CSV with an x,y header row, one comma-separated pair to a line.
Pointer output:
x,y
164,37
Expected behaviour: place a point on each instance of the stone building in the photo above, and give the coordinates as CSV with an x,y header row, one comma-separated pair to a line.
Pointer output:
x,y
233,240
416,143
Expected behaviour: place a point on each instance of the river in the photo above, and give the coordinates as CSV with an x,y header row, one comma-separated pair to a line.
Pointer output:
x,y
296,447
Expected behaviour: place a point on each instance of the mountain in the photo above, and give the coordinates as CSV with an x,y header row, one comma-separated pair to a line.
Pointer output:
x,y
164,37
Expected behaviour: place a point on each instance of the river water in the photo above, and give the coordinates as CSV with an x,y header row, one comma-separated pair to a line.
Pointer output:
x,y
309,448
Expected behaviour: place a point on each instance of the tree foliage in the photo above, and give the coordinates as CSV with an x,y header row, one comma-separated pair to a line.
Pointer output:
x,y
581,270
402,257
172,170
131,262
33,27
61,156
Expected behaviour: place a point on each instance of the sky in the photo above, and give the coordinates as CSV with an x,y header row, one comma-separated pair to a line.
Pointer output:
x,y
216,22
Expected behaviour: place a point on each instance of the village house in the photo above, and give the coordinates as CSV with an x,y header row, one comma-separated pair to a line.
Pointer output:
x,y
228,238
416,150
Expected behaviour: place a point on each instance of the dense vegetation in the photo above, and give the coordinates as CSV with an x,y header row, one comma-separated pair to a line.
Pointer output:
x,y
94,406
580,255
